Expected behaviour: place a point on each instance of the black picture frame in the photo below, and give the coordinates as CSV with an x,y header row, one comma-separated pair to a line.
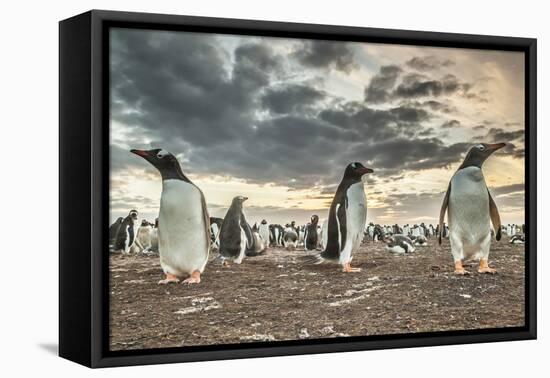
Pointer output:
x,y
83,182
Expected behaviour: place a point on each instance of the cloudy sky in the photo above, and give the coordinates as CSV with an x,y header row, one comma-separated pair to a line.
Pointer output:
x,y
278,120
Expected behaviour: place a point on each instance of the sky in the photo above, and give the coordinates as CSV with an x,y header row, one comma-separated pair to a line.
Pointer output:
x,y
278,120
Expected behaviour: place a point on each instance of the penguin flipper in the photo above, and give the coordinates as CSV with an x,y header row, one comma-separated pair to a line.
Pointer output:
x,y
206,221
495,216
336,232
443,211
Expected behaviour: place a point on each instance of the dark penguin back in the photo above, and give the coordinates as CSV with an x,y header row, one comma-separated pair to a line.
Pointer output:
x,y
230,231
113,229
312,237
127,226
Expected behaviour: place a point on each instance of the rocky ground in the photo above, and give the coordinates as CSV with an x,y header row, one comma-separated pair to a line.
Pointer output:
x,y
274,297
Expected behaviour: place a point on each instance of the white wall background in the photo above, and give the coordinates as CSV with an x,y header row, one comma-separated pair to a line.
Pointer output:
x,y
28,211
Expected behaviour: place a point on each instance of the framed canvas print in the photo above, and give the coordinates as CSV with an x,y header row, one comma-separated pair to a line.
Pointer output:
x,y
233,188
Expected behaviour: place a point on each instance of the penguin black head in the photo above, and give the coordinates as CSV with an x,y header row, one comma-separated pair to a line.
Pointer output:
x,y
238,201
264,221
133,214
355,171
479,153
314,219
144,223
166,163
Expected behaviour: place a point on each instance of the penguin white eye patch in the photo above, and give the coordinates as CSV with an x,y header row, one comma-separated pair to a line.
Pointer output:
x,y
480,147
161,154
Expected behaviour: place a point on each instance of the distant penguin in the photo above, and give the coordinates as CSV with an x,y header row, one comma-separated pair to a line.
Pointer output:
x,y
113,229
290,238
377,233
143,237
311,237
184,224
517,239
346,219
264,232
235,233
126,233
399,244
276,235
155,237
471,209
215,226
421,241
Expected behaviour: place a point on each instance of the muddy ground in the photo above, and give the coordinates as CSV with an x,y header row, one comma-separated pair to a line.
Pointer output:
x,y
273,297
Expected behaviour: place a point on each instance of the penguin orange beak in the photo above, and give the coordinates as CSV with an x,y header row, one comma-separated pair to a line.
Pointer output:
x,y
365,170
140,153
496,146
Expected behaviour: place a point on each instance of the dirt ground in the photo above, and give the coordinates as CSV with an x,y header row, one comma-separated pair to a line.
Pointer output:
x,y
274,297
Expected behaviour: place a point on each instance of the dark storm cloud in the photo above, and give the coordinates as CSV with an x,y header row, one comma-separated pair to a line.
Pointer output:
x,y
514,139
326,54
415,85
427,63
400,154
226,112
451,124
291,98
378,89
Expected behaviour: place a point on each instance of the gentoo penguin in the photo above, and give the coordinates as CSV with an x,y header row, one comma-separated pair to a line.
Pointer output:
x,y
399,244
310,238
264,232
113,229
377,233
421,241
235,234
215,225
290,237
517,239
346,219
155,237
126,233
143,237
471,210
184,225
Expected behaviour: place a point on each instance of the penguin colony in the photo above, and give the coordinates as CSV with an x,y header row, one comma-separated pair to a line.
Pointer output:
x,y
184,235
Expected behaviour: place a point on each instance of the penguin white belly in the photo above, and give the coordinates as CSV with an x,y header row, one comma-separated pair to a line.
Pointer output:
x,y
324,234
356,216
182,236
469,219
264,233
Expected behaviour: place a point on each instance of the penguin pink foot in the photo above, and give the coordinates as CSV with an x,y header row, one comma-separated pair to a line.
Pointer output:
x,y
169,279
484,267
349,269
459,269
195,277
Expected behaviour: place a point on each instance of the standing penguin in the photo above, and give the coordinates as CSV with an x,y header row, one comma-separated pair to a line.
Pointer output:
x,y
235,234
471,210
155,237
311,236
126,234
113,229
346,219
184,224
264,232
143,237
215,226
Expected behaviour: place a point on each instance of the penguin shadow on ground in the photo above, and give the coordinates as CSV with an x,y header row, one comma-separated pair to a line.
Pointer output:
x,y
51,348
